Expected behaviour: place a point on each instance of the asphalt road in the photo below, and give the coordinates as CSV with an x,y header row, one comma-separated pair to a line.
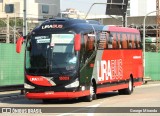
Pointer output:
x,y
145,101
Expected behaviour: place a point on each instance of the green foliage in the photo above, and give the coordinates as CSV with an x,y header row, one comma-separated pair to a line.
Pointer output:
x,y
2,24
19,22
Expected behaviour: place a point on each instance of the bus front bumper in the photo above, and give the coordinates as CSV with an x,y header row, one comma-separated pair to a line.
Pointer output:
x,y
57,95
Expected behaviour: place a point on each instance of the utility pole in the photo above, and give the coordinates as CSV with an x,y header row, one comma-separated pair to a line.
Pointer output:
x,y
124,20
7,33
25,18
15,26
158,25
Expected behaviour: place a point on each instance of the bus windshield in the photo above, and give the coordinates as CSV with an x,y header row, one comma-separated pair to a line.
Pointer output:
x,y
47,54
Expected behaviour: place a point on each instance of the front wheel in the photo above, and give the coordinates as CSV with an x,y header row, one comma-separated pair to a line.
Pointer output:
x,y
92,94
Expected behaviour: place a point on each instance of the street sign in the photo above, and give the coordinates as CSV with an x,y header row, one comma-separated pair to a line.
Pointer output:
x,y
116,7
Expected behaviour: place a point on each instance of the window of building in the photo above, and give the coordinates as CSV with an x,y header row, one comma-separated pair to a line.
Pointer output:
x,y
128,13
9,8
45,9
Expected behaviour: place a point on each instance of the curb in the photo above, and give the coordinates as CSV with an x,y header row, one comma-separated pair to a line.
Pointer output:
x,y
151,82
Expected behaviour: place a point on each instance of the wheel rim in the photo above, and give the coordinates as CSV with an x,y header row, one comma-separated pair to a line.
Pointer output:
x,y
130,85
91,93
91,90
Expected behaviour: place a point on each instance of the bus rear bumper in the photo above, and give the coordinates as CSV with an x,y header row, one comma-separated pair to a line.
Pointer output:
x,y
57,95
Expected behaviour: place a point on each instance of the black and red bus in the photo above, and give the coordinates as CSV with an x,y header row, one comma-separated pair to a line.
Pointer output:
x,y
72,58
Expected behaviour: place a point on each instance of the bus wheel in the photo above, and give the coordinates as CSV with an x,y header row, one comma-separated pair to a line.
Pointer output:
x,y
128,90
92,95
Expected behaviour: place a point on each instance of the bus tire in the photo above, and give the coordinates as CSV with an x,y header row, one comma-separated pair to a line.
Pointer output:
x,y
128,90
92,94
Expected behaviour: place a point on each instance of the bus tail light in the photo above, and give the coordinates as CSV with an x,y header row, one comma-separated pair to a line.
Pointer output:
x,y
19,44
77,42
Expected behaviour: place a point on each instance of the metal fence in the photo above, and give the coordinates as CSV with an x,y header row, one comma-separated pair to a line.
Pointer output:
x,y
152,62
153,65
12,29
11,65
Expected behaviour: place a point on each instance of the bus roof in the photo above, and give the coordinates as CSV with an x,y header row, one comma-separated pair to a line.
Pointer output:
x,y
121,29
78,25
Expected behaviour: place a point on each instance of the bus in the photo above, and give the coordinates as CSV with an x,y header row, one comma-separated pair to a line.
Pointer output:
x,y
74,58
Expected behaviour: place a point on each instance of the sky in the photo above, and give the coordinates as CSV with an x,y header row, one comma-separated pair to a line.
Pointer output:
x,y
84,5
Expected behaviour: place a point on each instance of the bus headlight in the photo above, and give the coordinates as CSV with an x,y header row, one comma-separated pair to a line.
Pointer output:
x,y
27,86
74,84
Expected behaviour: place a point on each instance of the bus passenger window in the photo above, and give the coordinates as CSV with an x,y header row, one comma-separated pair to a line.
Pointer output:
x,y
103,44
85,41
90,43
110,40
133,41
129,40
124,41
114,42
138,41
119,40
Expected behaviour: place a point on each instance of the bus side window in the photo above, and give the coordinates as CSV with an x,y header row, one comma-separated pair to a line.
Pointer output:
x,y
114,42
129,40
124,41
106,38
103,44
119,40
85,41
133,41
138,40
88,47
90,43
110,40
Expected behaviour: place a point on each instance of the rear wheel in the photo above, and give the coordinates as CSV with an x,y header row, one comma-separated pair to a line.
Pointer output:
x,y
128,90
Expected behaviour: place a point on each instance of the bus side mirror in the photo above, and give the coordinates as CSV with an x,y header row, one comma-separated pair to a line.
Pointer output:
x,y
77,42
19,44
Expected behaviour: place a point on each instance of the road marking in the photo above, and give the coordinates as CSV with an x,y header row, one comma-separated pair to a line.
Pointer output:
x,y
90,111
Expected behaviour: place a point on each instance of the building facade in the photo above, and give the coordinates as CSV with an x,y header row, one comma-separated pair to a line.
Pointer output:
x,y
141,7
72,13
35,8
11,15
